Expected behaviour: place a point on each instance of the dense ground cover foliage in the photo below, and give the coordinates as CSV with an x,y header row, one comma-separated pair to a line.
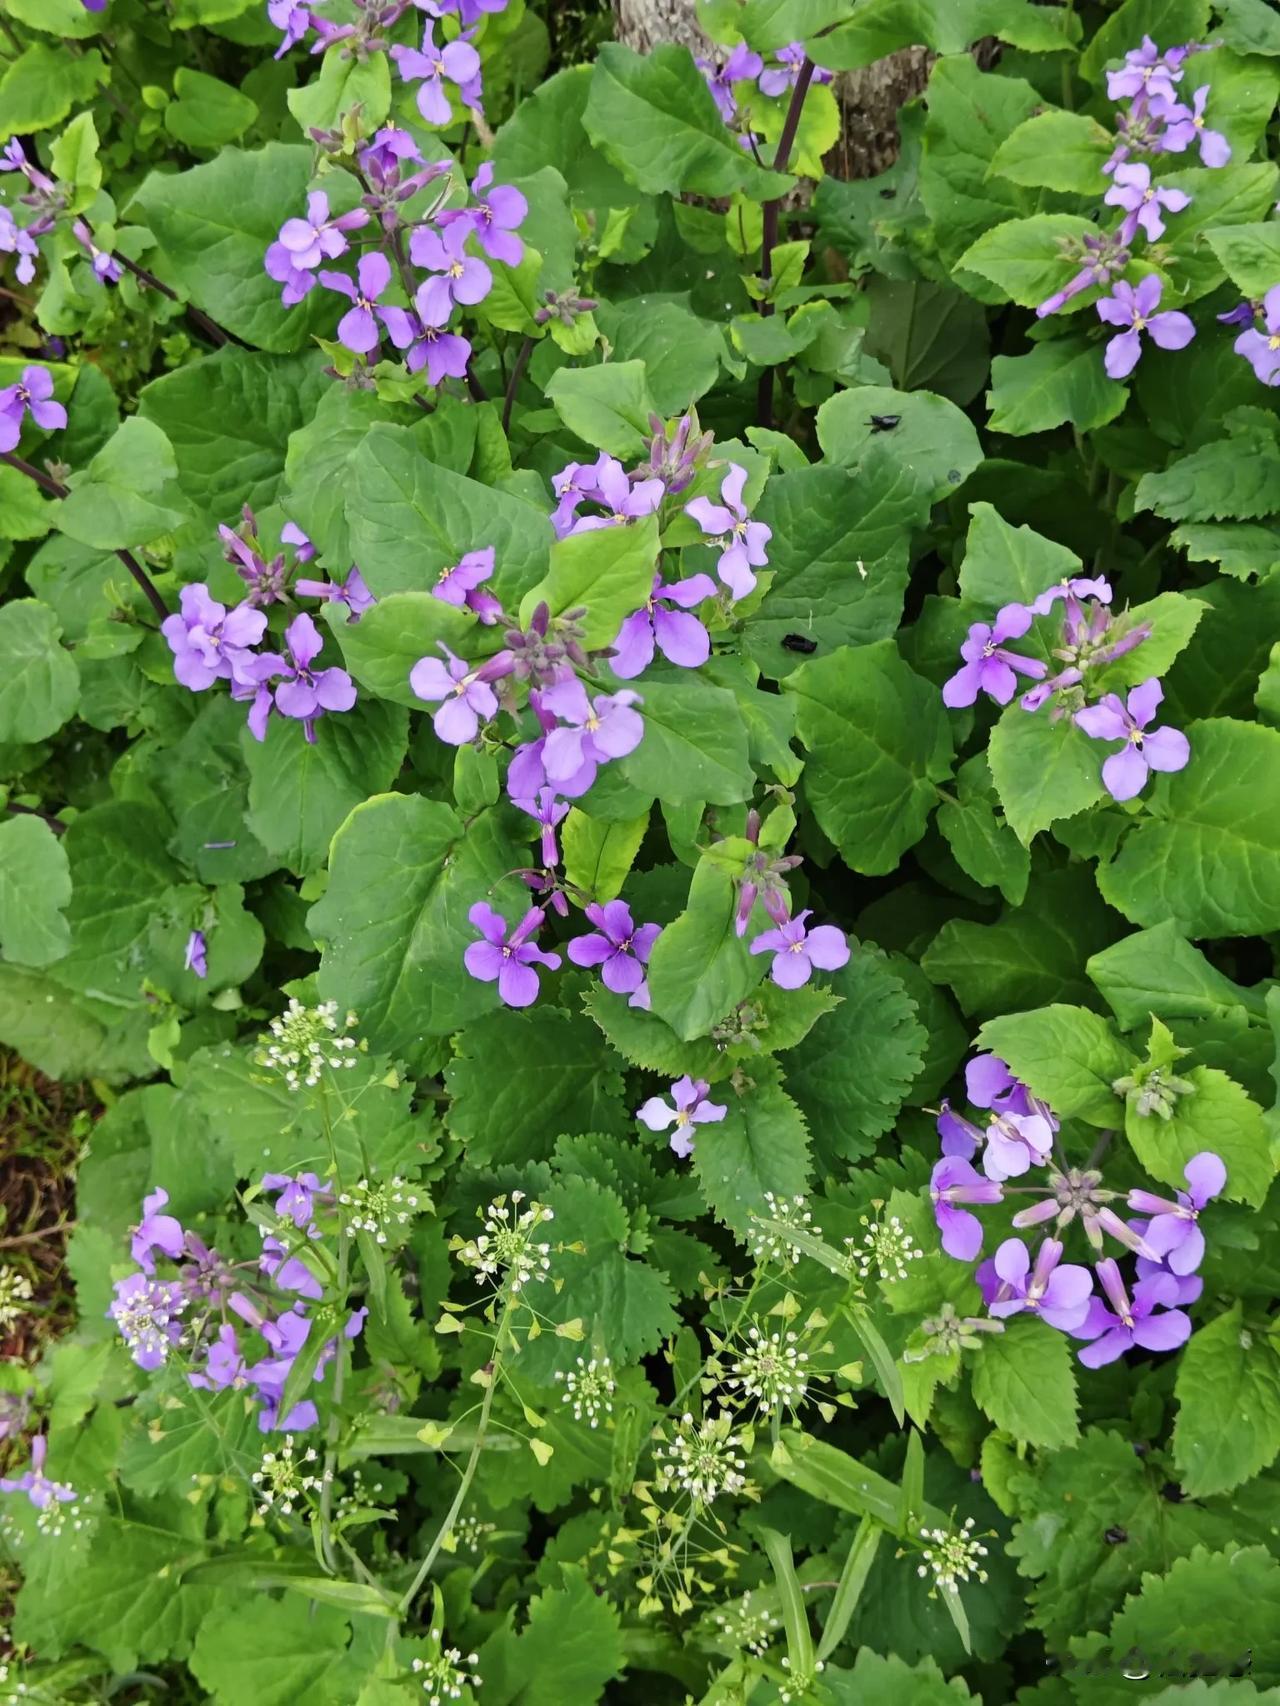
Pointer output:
x,y
648,783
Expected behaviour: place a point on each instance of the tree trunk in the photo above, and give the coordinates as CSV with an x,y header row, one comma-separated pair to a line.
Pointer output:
x,y
869,98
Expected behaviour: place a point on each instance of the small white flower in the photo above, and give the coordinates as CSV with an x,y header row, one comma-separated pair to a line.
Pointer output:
x,y
446,1674
306,1040
886,1246
748,1626
15,1294
508,1246
771,1369
283,1479
589,1387
703,1459
774,1247
951,1557
376,1207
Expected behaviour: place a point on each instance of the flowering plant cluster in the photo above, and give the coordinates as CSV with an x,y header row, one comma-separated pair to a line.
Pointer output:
x,y
640,745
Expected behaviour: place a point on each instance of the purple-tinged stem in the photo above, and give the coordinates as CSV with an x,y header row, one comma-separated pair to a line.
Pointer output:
x,y
769,233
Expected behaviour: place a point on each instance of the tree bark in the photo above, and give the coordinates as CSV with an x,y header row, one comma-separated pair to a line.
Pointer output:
x,y
643,24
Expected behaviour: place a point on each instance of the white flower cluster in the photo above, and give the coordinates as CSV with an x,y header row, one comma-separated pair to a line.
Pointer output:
x,y
470,1534
589,1387
282,1480
886,1246
306,1040
952,1557
15,1294
748,1626
771,1369
802,1683
703,1459
446,1675
508,1245
770,1246
374,1207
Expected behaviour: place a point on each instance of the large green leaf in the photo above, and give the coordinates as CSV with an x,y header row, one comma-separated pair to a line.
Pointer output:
x,y
277,1652
1215,1114
128,495
1228,1389
761,1145
1043,770
695,744
608,572
1069,1056
700,967
971,113
35,886
39,680
878,741
1025,1383
607,407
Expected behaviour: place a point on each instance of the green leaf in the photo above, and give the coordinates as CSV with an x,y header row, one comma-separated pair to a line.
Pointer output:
x,y
761,1145
42,85
1169,22
1042,770
877,739
214,224
1238,548
1207,857
1249,26
694,747
880,27
1229,195
393,922
300,791
932,449
1233,478
1250,254
855,1069
1009,565
1060,380
653,117
608,570
1217,1115
1024,1381
1068,1055
770,24
556,1078
1159,971
39,681
127,495
598,855
984,846
411,519
928,335
970,113
1025,258
607,407
74,158
61,18
700,967
680,351
1228,1391
569,1649
344,82
207,112
1173,619
276,1652
35,887
390,637
547,125
1055,151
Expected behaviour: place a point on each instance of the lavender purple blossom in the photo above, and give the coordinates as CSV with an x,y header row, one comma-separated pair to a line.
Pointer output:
x,y
743,540
508,959
620,947
31,395
798,951
689,1107
1261,349
1124,774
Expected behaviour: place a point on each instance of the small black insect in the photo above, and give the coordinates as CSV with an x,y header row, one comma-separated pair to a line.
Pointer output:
x,y
1116,1536
883,423
1173,1492
798,643
888,195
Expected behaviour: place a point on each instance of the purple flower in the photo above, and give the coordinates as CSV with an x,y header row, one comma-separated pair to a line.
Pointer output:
x,y
620,947
1010,1285
459,278
106,268
147,1311
15,241
954,1181
741,66
548,811
797,950
41,1491
572,485
1132,189
988,666
1174,1230
496,214
319,237
508,960
1125,772
1145,72
469,11
155,1231
591,731
352,592
467,697
777,80
1190,1286
296,283
1012,1143
285,1336
1262,349
1107,256
288,1271
209,642
611,487
444,354
306,694
1073,589
747,539
195,959
293,20
1243,314
32,394
358,327
457,585
224,1365
1185,125
1126,1323
457,63
297,1197
989,1083
680,638
292,534
691,1108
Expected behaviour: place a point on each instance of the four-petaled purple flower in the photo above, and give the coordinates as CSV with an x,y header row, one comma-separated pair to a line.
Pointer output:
x,y
691,1108
742,66
467,698
1132,189
195,959
209,642
1262,349
457,62
14,240
681,638
358,327
611,487
296,1198
156,1231
797,951
457,585
1174,1230
292,19
320,236
1058,1294
508,960
38,1487
1185,126
444,354
457,276
1125,772
1129,1322
1146,71
952,1182
352,592
620,947
494,217
304,694
988,666
592,731
746,539
33,394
